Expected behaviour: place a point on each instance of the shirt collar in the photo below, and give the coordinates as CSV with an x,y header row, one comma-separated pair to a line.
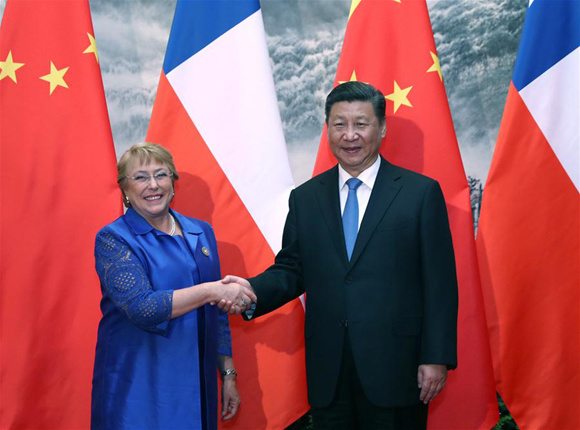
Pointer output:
x,y
141,226
137,223
187,225
368,176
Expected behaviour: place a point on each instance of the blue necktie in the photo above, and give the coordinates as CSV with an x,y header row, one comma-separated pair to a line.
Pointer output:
x,y
350,215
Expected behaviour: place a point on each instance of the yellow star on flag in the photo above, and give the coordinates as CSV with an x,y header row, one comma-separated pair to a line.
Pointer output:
x,y
353,6
92,48
55,77
399,97
436,67
352,78
9,67
397,1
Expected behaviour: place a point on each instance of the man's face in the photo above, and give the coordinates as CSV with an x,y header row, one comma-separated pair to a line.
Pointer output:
x,y
354,135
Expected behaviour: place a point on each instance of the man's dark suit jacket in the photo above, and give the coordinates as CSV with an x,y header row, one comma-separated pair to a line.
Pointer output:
x,y
397,297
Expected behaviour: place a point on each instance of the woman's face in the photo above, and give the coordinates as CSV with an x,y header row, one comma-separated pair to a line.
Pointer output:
x,y
149,188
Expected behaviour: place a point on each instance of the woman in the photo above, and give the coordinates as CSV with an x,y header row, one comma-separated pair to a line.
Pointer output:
x,y
161,334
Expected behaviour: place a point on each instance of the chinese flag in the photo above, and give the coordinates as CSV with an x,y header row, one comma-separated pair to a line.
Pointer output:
x,y
528,240
58,188
389,44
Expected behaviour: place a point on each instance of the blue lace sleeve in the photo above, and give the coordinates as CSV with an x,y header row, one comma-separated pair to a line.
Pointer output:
x,y
124,281
224,334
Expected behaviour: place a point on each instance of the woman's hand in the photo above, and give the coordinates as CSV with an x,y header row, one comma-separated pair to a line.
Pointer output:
x,y
230,398
236,295
233,297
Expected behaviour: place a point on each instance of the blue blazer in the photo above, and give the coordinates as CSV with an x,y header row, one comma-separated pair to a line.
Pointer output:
x,y
396,298
152,371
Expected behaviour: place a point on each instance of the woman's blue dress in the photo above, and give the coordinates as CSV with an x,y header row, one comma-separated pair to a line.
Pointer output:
x,y
152,372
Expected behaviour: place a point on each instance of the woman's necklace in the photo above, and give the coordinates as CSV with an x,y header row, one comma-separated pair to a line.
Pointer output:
x,y
173,227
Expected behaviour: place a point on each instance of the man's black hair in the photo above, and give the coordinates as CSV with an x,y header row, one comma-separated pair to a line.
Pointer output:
x,y
354,91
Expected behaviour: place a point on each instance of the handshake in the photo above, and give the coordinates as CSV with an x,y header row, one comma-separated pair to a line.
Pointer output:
x,y
234,295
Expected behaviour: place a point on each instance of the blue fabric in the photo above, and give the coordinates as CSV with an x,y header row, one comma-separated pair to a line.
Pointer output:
x,y
551,31
350,215
150,370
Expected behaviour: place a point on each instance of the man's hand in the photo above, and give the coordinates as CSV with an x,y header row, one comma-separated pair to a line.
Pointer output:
x,y
231,278
431,379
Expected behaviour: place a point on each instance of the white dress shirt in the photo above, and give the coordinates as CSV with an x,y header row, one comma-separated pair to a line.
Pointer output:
x,y
363,192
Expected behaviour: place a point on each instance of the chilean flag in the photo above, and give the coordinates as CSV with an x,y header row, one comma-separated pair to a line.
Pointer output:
x,y
216,111
528,238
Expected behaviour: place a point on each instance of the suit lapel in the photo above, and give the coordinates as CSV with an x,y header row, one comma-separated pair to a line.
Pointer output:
x,y
386,188
329,200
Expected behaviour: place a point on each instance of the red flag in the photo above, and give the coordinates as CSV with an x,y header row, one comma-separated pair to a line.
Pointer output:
x,y
389,44
58,188
216,111
528,239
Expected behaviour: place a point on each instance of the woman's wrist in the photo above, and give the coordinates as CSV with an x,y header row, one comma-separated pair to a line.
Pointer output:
x,y
210,293
229,374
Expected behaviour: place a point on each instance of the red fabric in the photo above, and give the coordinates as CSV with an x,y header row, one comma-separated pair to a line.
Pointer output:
x,y
387,41
58,185
268,352
528,245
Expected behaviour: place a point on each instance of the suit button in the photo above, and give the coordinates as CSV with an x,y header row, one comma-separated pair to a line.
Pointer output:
x,y
348,280
343,323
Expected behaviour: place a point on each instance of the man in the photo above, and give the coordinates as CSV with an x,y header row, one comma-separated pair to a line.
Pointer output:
x,y
375,258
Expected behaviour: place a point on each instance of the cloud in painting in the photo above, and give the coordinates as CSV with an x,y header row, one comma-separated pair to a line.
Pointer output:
x,y
304,41
132,38
477,44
